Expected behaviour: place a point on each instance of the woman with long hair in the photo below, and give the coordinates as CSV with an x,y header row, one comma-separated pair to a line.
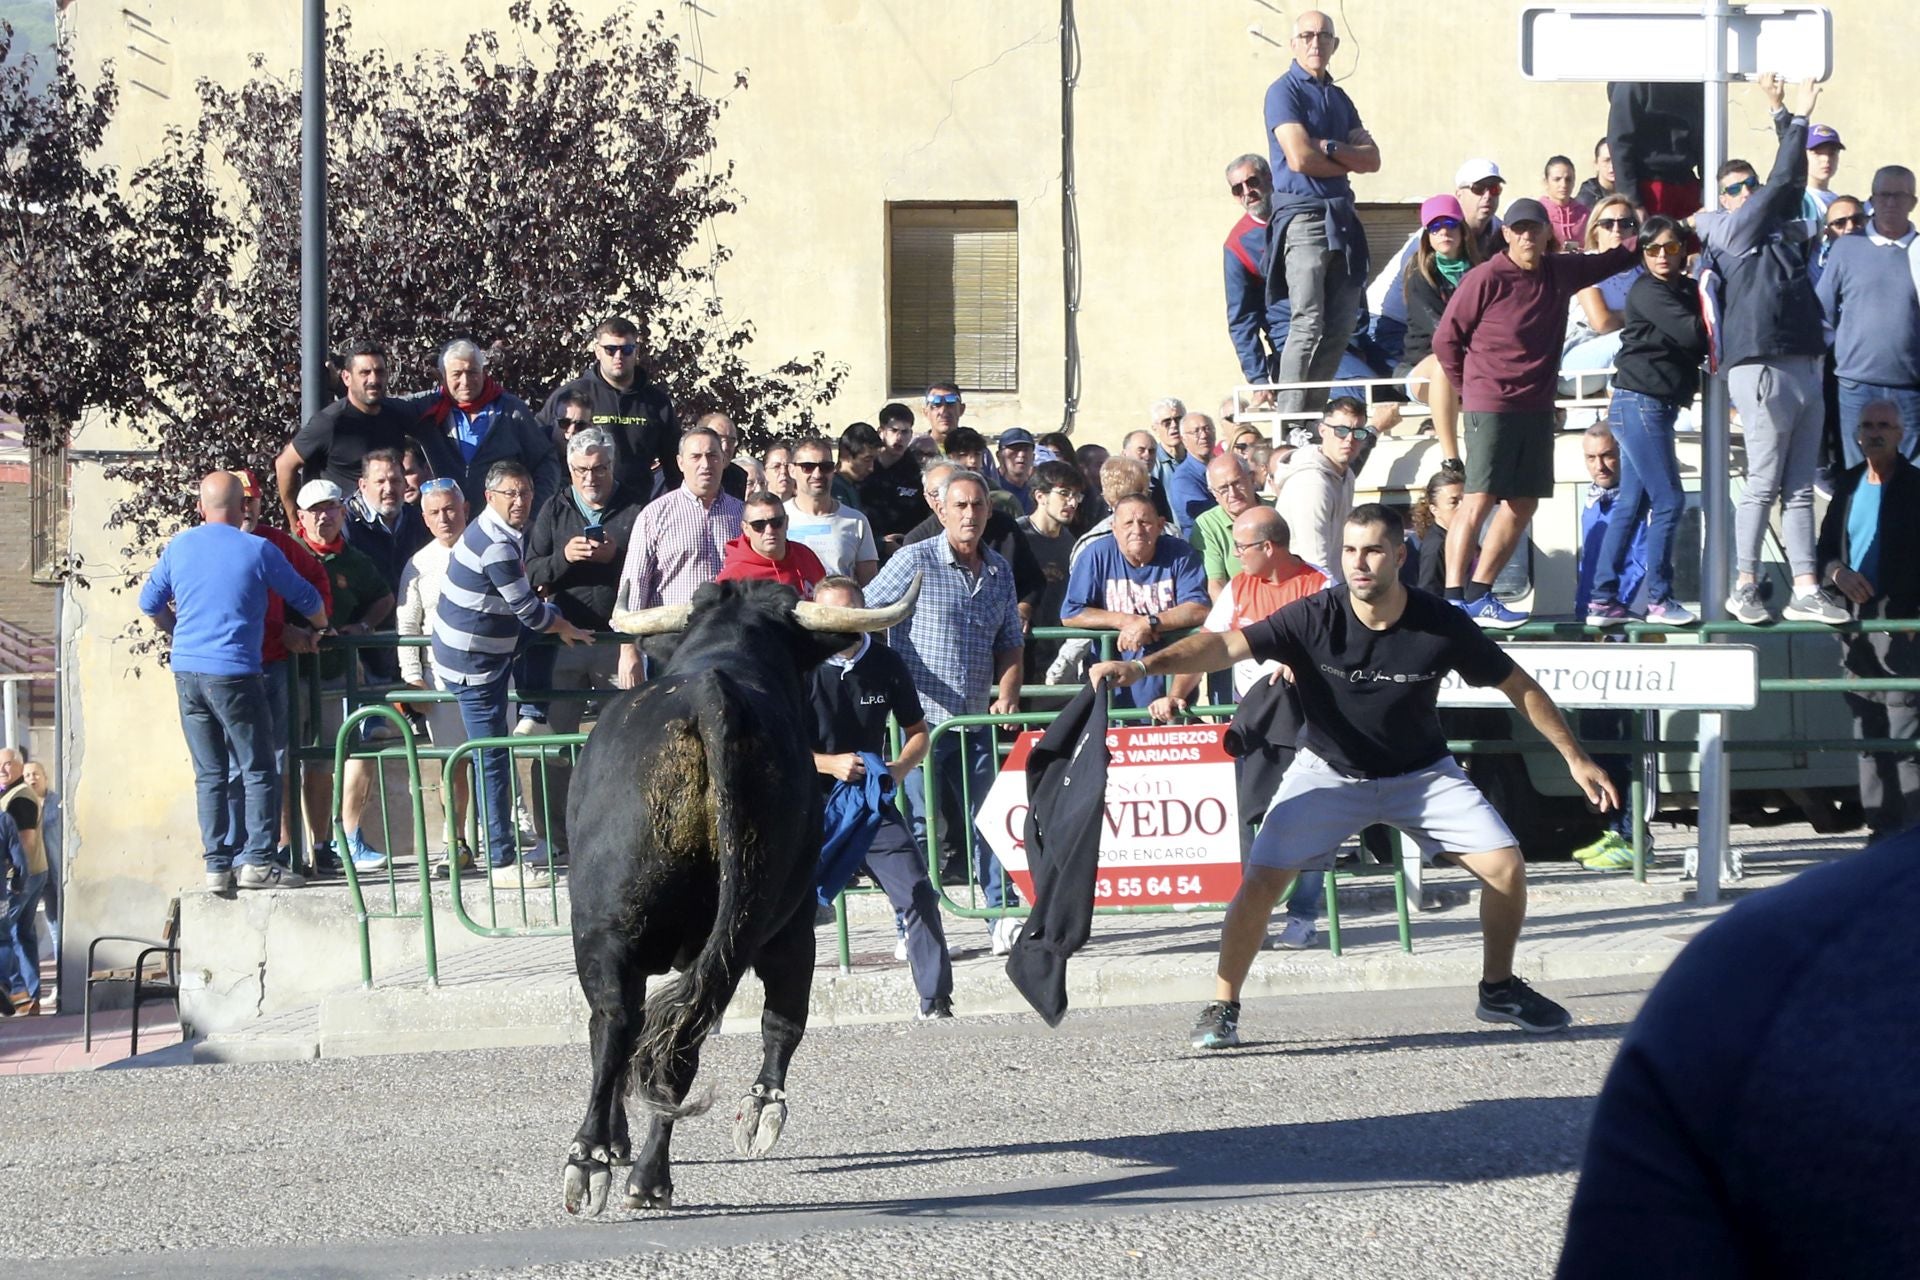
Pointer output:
x,y
1663,341
1597,312
1433,515
1445,252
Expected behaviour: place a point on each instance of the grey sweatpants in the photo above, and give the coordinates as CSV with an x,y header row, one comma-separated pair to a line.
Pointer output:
x,y
1782,409
1325,298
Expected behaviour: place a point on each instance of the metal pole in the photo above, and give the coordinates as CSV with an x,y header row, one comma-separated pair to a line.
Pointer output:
x,y
313,210
10,710
1716,457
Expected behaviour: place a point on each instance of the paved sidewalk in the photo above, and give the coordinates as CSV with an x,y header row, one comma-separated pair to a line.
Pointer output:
x,y
1582,925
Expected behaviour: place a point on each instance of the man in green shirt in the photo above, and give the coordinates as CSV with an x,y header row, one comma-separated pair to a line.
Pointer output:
x,y
362,604
1231,485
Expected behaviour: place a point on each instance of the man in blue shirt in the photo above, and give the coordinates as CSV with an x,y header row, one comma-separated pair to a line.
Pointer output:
x,y
209,592
1188,492
1139,583
1316,249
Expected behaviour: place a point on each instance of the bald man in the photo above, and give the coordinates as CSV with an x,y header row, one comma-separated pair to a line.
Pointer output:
x,y
209,593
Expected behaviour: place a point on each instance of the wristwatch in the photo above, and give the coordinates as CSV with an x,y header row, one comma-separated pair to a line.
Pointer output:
x,y
1328,147
1153,621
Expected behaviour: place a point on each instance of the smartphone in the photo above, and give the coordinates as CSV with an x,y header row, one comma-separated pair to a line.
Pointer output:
x,y
594,533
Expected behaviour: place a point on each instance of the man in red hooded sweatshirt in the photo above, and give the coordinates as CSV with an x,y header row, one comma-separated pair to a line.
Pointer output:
x,y
762,550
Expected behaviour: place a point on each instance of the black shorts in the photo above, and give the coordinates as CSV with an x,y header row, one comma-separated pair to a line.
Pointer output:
x,y
1510,455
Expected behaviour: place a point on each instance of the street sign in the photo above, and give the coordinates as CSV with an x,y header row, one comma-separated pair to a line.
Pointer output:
x,y
1172,834
1669,42
1663,677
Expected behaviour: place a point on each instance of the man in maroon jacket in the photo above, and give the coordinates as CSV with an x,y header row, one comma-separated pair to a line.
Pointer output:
x,y
279,638
1499,342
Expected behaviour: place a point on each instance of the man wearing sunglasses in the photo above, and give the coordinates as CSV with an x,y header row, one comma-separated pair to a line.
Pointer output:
x,y
1316,248
838,534
1313,490
1868,291
763,552
1258,327
1772,346
636,411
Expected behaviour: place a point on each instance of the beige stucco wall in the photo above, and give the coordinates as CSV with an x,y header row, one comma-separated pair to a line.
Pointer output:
x,y
854,103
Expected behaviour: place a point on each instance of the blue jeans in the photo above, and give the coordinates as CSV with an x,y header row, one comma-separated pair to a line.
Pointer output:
x,y
483,712
533,669
225,720
1856,396
274,675
20,944
1309,893
954,817
1649,477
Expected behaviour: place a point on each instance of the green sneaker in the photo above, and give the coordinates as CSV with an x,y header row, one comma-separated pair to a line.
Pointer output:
x,y
1618,855
1587,855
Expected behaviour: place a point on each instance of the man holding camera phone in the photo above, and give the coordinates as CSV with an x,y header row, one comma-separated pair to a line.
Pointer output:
x,y
574,553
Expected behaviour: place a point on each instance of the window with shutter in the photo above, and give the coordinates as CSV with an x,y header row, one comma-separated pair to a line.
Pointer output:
x,y
1387,227
953,296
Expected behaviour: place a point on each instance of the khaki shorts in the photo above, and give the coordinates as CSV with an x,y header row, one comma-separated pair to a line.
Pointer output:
x,y
1510,455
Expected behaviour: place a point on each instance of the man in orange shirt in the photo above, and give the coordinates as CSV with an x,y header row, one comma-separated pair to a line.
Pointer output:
x,y
1271,576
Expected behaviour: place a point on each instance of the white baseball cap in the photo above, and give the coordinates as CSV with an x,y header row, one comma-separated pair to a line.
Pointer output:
x,y
1475,170
317,493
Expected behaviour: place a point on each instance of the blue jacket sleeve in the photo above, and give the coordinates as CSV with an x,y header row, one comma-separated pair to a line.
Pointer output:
x,y
1246,317
157,592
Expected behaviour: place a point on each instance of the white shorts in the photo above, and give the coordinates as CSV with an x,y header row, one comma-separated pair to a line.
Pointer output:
x,y
1318,809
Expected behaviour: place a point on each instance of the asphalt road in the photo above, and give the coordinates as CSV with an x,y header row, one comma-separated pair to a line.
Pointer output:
x,y
1378,1134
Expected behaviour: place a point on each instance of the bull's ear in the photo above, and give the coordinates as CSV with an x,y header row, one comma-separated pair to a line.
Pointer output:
x,y
660,649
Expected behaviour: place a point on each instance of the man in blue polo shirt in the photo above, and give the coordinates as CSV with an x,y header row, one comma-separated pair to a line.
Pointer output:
x,y
209,592
1316,249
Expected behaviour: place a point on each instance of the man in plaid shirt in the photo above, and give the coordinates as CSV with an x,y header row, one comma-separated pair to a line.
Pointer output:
x,y
963,648
680,541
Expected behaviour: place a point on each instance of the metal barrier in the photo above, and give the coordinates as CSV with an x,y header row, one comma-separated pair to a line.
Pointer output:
x,y
544,749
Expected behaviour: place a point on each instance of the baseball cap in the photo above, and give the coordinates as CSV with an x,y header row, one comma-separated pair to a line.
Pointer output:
x,y
1475,170
317,493
1016,437
1823,135
249,487
1526,210
1440,207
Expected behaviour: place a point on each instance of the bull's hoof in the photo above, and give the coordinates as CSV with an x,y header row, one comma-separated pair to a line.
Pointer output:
x,y
757,1125
586,1180
619,1153
657,1198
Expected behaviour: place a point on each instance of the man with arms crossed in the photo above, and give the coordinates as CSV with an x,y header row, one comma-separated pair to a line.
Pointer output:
x,y
1367,660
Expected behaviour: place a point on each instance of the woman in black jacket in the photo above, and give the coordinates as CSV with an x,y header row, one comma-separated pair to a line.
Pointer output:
x,y
1656,374
1445,253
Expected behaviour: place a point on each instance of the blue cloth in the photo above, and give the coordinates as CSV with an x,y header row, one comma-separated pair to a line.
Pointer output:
x,y
1103,578
1595,516
1863,529
1324,110
216,577
854,811
1187,493
1250,317
962,620
23,937
1868,293
483,714
225,719
1637,531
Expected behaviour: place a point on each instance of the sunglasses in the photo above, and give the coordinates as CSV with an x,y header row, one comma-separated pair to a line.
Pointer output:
x,y
439,484
1254,183
812,466
770,522
619,348
1364,433
1619,224
1745,184
574,422
1671,249
1486,185
945,397
1245,446
1849,220
1444,224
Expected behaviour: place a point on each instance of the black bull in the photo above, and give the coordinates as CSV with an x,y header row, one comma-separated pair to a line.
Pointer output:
x,y
696,821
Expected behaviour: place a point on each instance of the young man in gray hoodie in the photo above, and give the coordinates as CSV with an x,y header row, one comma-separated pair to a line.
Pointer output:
x,y
1313,491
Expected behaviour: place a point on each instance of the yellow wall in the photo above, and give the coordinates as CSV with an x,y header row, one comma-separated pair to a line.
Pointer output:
x,y
854,103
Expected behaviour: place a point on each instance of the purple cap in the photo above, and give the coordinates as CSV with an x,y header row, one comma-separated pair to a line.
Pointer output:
x,y
1824,135
1444,206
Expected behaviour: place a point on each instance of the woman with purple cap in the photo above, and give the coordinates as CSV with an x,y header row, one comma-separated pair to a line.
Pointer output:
x,y
1443,255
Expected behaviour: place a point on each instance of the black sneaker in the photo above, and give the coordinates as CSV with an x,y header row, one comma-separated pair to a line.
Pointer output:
x,y
1515,1002
942,1009
1218,1027
325,861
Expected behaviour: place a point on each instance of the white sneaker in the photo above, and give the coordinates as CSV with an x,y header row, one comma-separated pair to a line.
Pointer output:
x,y
1296,935
523,824
900,949
1811,604
1006,931
526,727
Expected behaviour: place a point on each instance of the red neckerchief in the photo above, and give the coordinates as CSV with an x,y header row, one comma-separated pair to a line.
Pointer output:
x,y
324,549
443,404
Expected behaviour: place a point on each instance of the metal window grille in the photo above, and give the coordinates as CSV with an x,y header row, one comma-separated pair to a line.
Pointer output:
x,y
953,305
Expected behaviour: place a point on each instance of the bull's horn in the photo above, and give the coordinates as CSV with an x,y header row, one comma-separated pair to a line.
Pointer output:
x,y
848,620
662,619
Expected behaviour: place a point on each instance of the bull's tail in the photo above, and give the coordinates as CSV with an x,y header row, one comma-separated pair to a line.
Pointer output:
x,y
681,1012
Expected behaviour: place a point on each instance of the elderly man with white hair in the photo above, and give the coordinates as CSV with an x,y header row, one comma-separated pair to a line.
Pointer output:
x,y
482,423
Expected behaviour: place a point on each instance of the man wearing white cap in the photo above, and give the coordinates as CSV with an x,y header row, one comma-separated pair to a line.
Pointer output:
x,y
1477,184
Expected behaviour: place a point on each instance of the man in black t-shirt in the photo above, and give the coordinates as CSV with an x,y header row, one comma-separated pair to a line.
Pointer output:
x,y
852,694
1367,660
334,441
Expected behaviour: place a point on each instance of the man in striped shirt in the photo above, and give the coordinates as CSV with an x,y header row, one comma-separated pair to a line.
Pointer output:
x,y
477,622
680,541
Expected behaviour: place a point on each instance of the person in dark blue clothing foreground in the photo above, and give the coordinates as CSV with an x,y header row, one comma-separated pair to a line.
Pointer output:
x,y
1763,1115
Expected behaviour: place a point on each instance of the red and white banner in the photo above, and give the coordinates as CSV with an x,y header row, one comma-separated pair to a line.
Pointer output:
x,y
1172,833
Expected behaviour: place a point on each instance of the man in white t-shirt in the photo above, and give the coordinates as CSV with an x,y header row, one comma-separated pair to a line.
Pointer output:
x,y
832,530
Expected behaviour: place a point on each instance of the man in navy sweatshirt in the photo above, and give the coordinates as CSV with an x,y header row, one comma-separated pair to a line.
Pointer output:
x,y
1868,291
209,592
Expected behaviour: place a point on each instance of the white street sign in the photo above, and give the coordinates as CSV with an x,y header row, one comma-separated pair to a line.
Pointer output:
x,y
1666,677
1669,42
